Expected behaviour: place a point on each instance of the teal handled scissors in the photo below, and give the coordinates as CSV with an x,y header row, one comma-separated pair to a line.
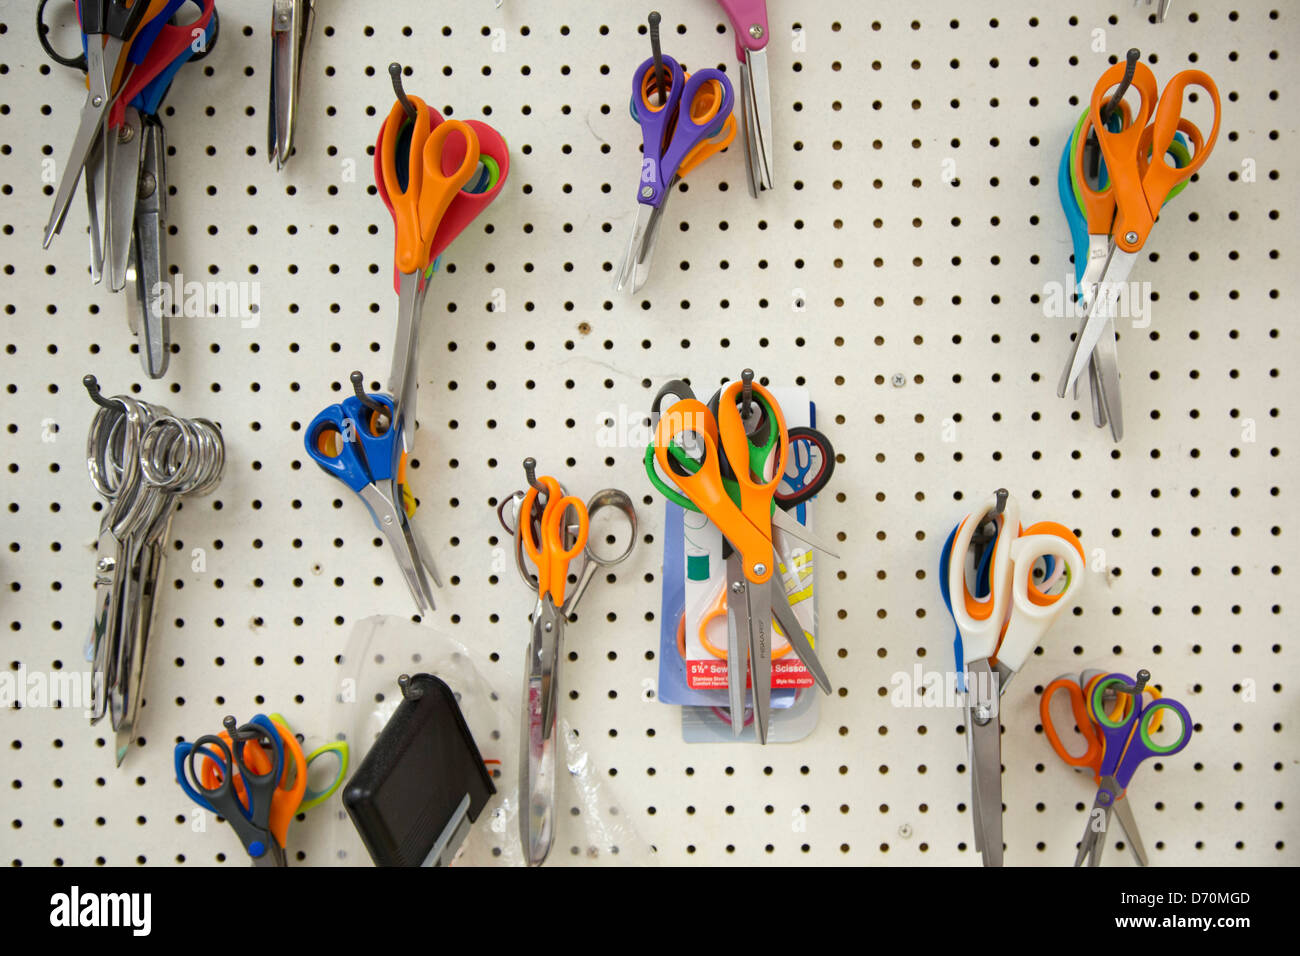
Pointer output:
x,y
357,441
1128,738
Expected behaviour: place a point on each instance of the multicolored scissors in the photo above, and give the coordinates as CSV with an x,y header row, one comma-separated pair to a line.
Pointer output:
x,y
357,442
255,776
1077,689
749,23
1118,739
291,23
551,529
435,176
684,120
1120,216
697,447
999,619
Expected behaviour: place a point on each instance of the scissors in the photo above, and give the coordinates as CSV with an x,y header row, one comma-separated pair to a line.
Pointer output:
x,y
551,529
411,163
357,442
1126,739
1162,8
108,26
256,777
1077,688
1121,215
697,447
291,25
998,626
749,23
692,123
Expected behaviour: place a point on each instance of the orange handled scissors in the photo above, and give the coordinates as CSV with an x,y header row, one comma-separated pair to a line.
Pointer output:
x,y
549,554
1140,179
1078,689
418,193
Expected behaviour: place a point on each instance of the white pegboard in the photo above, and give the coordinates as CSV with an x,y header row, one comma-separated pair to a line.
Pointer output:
x,y
902,272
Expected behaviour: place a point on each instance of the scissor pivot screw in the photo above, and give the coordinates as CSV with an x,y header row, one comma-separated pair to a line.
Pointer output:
x,y
647,192
97,101
105,565
756,32
1130,237
760,568
125,133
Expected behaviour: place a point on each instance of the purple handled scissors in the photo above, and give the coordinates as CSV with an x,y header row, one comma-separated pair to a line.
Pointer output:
x,y
1126,742
691,123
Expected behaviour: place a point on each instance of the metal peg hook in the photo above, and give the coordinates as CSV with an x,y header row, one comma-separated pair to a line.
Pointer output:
x,y
375,407
1130,66
1001,495
395,73
92,386
661,80
231,726
530,471
746,393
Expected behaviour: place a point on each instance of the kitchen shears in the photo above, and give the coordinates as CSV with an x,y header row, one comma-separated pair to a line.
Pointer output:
x,y
551,529
698,447
692,123
1121,215
291,25
749,23
356,441
435,176
1119,739
998,624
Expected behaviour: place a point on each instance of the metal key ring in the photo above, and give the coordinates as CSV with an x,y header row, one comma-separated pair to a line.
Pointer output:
x,y
592,559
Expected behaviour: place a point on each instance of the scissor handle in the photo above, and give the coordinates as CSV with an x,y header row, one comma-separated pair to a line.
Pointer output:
x,y
114,18
802,436
749,23
1098,205
166,48
438,189
377,433
756,491
1036,611
1159,178
1128,739
550,554
191,781
704,487
1091,757
401,167
342,440
704,107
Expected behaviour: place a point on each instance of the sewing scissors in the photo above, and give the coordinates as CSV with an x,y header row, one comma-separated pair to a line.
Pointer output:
x,y
291,25
1077,688
418,192
998,626
107,25
749,23
255,776
357,442
692,123
1121,215
703,450
551,529
1126,739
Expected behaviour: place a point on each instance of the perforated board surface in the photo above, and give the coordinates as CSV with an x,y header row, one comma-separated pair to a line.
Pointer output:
x,y
912,232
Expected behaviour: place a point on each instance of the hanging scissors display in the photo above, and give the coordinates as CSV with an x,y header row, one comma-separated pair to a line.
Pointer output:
x,y
291,25
1004,586
749,24
255,776
1119,216
685,119
551,529
357,442
435,176
141,460
727,460
1120,728
125,170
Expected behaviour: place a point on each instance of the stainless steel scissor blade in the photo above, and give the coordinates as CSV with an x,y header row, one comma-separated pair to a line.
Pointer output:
x,y
122,162
401,377
758,598
537,738
986,750
640,248
779,603
737,642
387,511
291,26
756,115
1124,814
146,305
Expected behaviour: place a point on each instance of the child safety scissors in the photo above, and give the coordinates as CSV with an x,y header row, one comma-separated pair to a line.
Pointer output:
x,y
998,624
1127,739
357,442
702,451
693,122
1077,688
1121,215
552,529
749,23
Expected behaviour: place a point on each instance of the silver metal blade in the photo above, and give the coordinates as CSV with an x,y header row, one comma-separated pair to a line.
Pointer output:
x,y
756,103
122,176
779,606
788,525
94,175
638,249
537,736
89,125
387,518
1118,268
738,626
759,599
987,751
1124,813
405,345
147,307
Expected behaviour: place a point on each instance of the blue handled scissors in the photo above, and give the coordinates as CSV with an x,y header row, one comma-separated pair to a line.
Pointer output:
x,y
692,122
358,442
1126,741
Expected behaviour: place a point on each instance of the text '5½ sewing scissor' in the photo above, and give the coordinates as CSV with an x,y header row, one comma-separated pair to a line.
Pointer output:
x,y
1004,586
728,460
684,119
551,529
